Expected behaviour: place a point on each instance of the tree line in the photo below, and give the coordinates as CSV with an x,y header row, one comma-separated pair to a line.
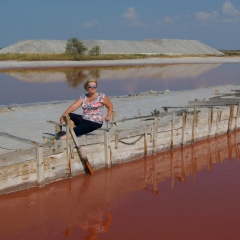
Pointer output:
x,y
76,47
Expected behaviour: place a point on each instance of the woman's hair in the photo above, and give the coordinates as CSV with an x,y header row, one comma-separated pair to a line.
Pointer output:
x,y
89,81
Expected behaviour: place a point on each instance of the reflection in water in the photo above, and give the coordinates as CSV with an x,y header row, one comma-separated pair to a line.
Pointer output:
x,y
154,72
38,85
145,199
75,77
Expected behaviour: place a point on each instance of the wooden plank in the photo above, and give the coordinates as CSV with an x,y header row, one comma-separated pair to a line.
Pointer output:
x,y
213,103
54,147
17,157
20,139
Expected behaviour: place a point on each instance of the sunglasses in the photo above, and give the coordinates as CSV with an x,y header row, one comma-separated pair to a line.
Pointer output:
x,y
92,86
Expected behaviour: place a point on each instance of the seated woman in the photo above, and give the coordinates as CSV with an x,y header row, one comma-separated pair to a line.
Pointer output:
x,y
92,104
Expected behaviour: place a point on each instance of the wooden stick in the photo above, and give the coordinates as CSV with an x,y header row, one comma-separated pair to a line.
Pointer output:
x,y
40,166
68,151
237,116
184,121
81,154
172,130
230,120
210,121
194,123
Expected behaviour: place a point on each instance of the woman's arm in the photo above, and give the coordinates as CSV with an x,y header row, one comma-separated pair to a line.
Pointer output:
x,y
72,108
108,104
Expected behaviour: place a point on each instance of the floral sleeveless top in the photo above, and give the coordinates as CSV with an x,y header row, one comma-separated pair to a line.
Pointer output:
x,y
93,111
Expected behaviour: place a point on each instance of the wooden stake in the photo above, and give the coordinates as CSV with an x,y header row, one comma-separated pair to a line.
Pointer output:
x,y
145,144
81,154
106,150
184,121
194,124
172,130
219,115
237,116
210,121
40,166
155,134
68,151
230,119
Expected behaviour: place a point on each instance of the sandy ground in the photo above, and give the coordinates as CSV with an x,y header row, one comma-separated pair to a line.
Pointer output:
x,y
30,121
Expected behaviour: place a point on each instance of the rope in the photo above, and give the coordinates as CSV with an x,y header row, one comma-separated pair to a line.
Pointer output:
x,y
132,143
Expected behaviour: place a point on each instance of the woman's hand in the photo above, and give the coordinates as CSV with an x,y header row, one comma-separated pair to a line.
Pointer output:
x,y
107,119
61,120
109,106
72,108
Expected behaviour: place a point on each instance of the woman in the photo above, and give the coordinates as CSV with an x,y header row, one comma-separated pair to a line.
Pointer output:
x,y
92,104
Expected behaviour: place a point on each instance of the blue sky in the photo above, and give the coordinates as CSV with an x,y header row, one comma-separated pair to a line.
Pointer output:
x,y
213,22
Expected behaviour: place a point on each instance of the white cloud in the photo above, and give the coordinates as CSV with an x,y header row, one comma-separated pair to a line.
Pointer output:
x,y
229,9
91,24
130,14
131,18
167,20
205,16
229,14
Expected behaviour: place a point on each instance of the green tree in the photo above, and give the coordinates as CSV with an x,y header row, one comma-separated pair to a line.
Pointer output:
x,y
74,46
95,51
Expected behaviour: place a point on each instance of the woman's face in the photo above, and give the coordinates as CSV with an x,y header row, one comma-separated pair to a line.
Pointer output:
x,y
92,87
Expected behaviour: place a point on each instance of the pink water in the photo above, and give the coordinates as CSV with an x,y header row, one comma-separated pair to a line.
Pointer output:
x,y
188,193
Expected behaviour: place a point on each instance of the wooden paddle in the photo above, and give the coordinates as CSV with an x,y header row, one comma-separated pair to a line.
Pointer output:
x,y
81,154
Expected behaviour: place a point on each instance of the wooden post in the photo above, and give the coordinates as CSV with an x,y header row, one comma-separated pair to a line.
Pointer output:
x,y
155,134
230,121
172,131
116,140
40,166
114,116
194,124
184,121
219,115
108,163
210,121
145,144
68,152
237,116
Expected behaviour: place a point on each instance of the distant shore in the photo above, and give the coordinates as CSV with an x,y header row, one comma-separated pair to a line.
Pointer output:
x,y
109,63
